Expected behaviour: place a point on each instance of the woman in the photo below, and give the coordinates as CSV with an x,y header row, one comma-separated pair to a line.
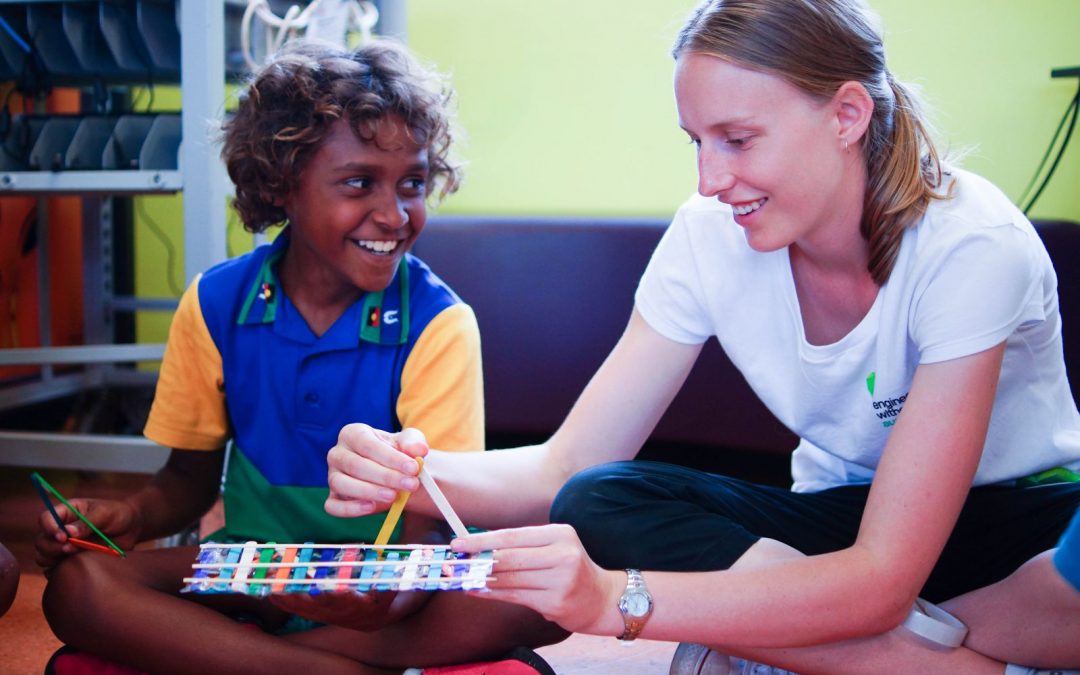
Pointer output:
x,y
899,316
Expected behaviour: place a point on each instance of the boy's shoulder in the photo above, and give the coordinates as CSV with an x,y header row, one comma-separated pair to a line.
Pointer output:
x,y
223,289
425,285
234,270
428,293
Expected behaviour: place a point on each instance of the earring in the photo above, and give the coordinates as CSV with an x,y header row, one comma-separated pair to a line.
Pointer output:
x,y
844,145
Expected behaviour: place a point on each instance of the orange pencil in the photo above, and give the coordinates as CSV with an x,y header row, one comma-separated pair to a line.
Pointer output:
x,y
91,546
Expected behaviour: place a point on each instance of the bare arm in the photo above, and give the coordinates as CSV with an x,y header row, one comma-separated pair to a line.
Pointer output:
x,y
507,488
182,491
866,589
179,494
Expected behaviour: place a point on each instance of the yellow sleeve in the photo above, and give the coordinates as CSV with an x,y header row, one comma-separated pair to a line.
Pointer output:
x,y
188,411
442,384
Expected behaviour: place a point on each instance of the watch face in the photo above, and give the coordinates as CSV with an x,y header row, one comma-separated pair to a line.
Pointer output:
x,y
637,604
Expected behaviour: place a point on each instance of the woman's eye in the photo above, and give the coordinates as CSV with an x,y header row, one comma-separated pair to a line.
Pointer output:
x,y
738,142
417,184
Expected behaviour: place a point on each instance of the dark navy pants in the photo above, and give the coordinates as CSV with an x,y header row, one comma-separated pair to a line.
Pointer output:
x,y
655,516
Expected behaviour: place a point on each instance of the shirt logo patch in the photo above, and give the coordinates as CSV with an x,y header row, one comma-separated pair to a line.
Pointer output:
x,y
390,317
373,317
886,409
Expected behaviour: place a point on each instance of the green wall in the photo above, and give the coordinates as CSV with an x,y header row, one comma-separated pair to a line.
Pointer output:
x,y
568,109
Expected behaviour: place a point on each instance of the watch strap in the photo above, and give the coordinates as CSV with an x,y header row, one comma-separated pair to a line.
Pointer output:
x,y
633,625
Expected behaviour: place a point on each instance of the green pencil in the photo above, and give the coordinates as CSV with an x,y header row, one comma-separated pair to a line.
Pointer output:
x,y
36,476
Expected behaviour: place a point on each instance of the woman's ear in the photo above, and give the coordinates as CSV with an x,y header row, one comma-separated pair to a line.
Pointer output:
x,y
854,109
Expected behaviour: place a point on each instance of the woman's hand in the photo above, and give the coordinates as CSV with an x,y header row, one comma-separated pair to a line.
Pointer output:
x,y
358,611
368,466
117,519
547,569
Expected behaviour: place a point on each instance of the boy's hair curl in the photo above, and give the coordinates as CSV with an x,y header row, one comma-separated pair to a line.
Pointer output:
x,y
291,104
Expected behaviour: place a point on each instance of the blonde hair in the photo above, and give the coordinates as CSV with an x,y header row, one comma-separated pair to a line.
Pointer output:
x,y
818,45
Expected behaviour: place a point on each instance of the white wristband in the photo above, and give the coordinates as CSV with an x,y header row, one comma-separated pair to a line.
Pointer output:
x,y
931,622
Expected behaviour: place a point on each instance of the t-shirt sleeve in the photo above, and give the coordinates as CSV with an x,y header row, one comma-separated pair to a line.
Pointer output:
x,y
442,385
189,411
669,295
983,287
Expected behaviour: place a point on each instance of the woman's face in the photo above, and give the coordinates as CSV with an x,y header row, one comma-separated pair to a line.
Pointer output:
x,y
768,149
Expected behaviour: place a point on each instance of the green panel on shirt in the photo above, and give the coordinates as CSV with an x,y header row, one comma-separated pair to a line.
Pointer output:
x,y
256,510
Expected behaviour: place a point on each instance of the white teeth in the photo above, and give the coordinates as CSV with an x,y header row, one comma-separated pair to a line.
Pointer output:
x,y
748,208
381,247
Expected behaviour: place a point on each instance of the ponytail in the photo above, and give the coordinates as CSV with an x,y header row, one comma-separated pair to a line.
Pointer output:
x,y
903,175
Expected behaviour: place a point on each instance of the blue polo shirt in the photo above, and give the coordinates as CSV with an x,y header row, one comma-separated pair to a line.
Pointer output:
x,y
287,392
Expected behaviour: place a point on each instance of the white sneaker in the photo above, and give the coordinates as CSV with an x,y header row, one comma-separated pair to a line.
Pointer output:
x,y
695,659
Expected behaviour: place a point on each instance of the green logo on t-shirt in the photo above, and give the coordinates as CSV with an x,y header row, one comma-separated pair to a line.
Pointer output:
x,y
870,382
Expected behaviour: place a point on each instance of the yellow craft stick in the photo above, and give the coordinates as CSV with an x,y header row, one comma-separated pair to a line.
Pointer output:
x,y
394,514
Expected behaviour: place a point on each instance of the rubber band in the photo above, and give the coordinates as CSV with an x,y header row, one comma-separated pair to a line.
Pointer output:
x,y
264,569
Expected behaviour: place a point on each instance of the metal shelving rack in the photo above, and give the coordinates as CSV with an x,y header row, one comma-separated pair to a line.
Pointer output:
x,y
204,184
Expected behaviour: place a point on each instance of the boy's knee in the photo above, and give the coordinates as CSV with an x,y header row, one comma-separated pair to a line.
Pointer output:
x,y
9,579
65,602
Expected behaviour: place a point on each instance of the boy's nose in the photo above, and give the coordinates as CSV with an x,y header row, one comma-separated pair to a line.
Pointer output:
x,y
391,214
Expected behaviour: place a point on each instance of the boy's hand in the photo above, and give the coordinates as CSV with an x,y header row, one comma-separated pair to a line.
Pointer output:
x,y
117,519
358,611
369,466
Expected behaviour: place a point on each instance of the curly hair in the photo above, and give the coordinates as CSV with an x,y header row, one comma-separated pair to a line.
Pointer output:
x,y
292,103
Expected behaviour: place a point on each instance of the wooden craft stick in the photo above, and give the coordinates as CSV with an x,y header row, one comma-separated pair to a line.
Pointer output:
x,y
394,514
243,568
283,571
318,547
393,584
263,569
344,573
441,502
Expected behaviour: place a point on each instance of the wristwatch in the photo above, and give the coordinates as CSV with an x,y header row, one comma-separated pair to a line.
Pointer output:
x,y
635,605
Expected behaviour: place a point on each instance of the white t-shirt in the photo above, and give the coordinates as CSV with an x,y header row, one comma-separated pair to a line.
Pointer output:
x,y
972,273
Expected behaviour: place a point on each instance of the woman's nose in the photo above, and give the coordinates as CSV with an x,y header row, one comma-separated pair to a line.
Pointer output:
x,y
715,174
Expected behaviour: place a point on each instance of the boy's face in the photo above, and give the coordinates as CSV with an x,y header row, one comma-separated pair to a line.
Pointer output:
x,y
359,207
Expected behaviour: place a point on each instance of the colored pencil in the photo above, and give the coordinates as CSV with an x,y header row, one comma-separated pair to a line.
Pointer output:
x,y
82,543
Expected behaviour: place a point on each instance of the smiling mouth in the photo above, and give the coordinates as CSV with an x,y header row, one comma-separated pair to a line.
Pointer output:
x,y
748,208
377,247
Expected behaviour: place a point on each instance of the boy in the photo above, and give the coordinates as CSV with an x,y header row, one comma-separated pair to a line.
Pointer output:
x,y
274,351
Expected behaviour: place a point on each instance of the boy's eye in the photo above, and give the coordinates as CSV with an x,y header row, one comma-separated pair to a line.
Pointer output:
x,y
738,141
359,182
417,184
